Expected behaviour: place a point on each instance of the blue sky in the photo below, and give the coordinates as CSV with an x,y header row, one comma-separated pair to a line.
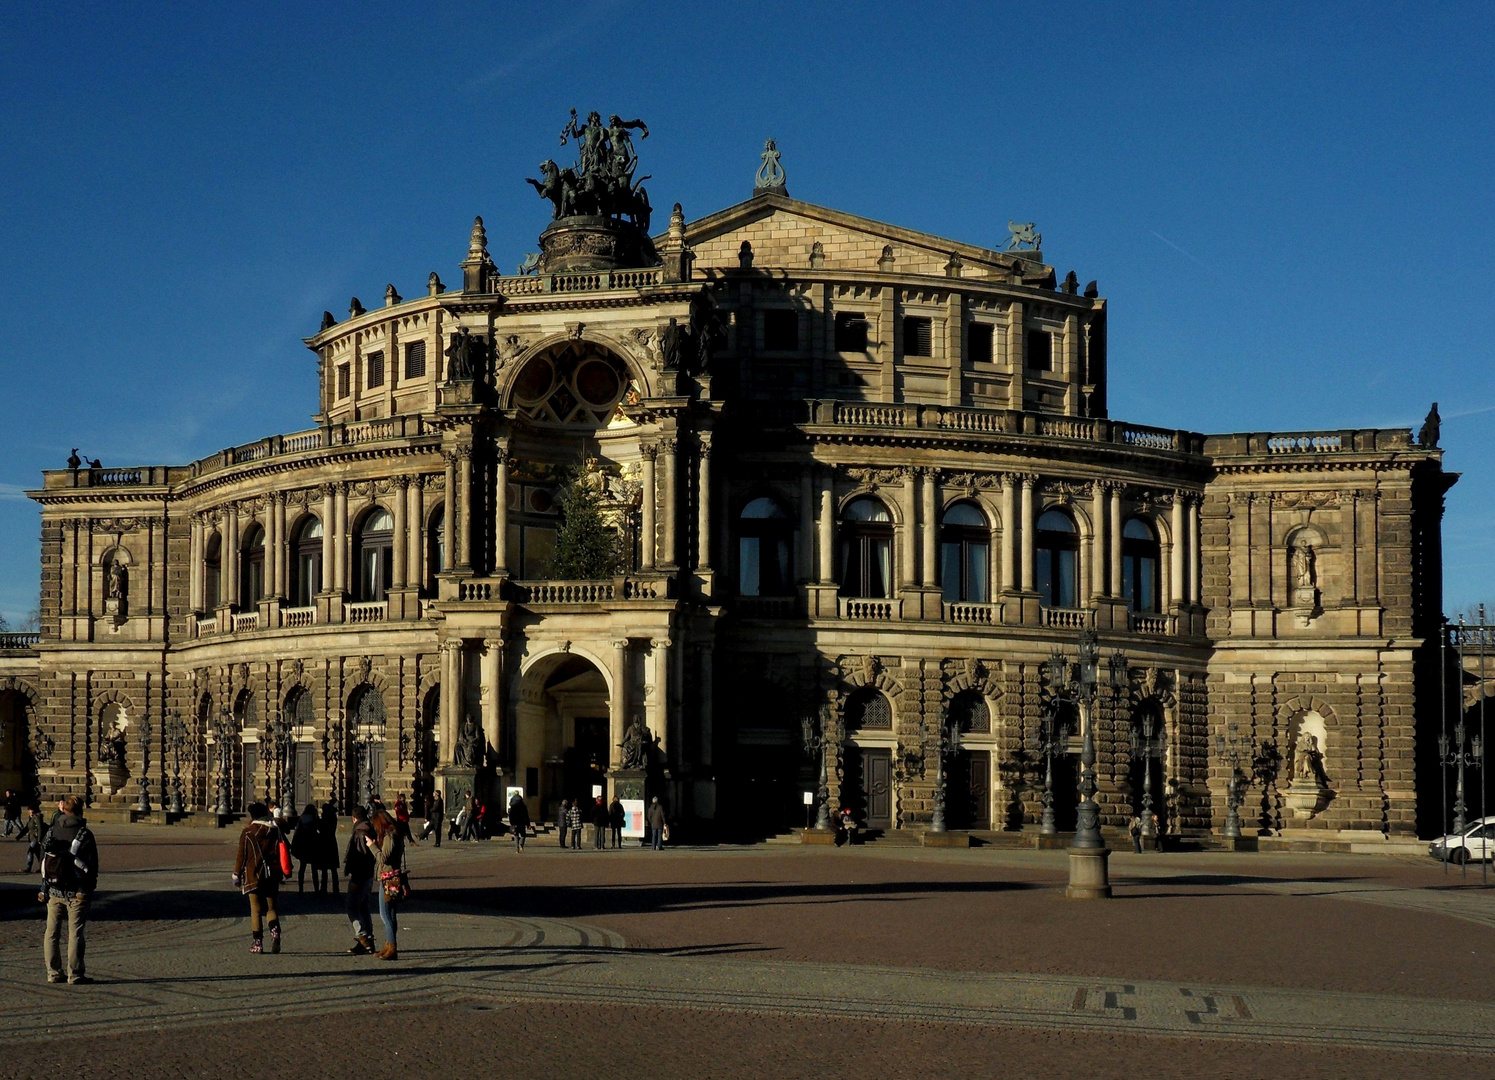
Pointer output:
x,y
1288,206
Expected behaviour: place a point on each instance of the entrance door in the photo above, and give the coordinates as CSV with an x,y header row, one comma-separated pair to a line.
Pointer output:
x,y
877,774
250,774
586,759
376,768
978,792
301,779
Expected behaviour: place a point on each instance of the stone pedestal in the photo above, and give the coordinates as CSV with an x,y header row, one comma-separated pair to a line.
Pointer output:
x,y
1089,874
818,836
582,242
628,784
110,779
455,785
1305,798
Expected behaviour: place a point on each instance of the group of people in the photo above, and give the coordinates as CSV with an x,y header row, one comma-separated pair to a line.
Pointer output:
x,y
573,818
314,845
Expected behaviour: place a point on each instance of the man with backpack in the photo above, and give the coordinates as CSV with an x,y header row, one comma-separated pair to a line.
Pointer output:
x,y
70,873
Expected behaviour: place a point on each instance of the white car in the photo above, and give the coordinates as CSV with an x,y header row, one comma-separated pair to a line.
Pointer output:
x,y
1475,844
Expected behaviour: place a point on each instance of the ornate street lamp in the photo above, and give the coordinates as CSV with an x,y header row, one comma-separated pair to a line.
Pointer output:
x,y
947,742
143,804
1455,756
224,733
332,758
1089,878
285,754
1234,750
176,741
821,739
1053,740
1143,735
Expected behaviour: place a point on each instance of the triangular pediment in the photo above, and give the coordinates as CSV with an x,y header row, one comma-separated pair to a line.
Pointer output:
x,y
783,233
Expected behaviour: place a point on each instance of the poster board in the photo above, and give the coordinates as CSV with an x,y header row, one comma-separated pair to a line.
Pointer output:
x,y
633,818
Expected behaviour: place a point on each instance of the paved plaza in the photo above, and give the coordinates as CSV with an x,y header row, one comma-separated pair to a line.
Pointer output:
x,y
773,960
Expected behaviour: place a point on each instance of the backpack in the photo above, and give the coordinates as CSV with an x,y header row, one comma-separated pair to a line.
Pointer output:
x,y
60,865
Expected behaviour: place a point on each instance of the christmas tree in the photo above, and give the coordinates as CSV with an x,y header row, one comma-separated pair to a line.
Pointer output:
x,y
587,546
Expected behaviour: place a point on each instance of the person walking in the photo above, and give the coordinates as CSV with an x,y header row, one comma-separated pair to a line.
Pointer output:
x,y
599,824
358,865
1136,830
327,852
257,874
33,838
656,825
70,874
434,816
459,821
518,820
615,818
387,846
306,844
560,820
402,814
573,822
470,827
13,813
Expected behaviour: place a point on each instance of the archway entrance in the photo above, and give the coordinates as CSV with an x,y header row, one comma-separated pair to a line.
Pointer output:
x,y
562,743
17,770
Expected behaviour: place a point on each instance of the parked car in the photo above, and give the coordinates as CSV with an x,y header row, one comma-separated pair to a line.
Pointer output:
x,y
1475,844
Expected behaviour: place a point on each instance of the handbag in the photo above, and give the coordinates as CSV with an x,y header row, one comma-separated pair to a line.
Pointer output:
x,y
285,859
396,883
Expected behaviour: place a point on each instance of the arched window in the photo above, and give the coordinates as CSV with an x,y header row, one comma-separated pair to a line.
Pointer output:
x,y
212,565
866,549
435,549
763,546
1056,547
252,567
306,563
965,555
1139,565
868,710
376,540
969,712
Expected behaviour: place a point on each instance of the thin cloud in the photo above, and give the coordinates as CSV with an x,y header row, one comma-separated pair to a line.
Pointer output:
x,y
1190,256
525,56
12,493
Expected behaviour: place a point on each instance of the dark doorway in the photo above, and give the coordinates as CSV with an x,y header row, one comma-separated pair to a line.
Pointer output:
x,y
869,786
251,768
301,780
1066,792
586,759
968,790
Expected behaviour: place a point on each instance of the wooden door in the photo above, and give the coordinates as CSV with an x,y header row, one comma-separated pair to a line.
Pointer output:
x,y
301,780
877,775
979,790
376,771
249,775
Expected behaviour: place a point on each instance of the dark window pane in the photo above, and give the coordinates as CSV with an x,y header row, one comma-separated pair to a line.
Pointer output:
x,y
376,369
342,380
979,343
916,336
415,360
978,559
950,571
780,331
1040,350
748,574
851,332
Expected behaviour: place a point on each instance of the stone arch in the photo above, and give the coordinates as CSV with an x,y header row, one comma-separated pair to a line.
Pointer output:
x,y
871,491
555,653
634,356
981,499
558,346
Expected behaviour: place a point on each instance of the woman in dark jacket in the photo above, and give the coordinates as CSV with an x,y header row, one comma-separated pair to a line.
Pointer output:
x,y
518,821
325,866
304,847
257,873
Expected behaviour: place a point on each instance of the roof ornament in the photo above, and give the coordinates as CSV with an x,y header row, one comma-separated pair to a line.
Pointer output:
x,y
1024,235
770,179
1428,436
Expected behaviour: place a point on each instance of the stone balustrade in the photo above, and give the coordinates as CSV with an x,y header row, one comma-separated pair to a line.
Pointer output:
x,y
974,614
368,611
296,618
870,610
1059,618
19,642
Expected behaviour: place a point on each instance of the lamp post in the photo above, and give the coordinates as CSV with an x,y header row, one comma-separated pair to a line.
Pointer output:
x,y
285,754
223,733
1143,733
143,804
1234,749
332,757
1089,877
947,742
818,739
176,741
1053,739
1454,755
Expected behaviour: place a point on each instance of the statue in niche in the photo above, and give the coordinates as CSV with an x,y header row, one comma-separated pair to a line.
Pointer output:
x,y
635,745
671,338
1304,568
463,356
115,747
1308,762
468,753
118,584
1428,436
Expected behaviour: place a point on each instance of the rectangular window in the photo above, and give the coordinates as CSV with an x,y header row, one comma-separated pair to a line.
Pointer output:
x,y
415,360
1040,350
376,369
978,343
917,336
851,332
781,331
342,380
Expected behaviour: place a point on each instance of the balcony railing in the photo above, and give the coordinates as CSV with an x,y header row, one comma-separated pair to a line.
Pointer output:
x,y
1142,623
294,618
368,611
246,622
1067,618
870,610
19,642
976,614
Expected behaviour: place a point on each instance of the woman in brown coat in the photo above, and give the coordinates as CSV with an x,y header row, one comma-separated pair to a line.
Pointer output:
x,y
387,846
257,874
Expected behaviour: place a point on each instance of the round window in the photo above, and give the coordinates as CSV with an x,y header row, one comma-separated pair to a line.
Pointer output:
x,y
535,381
597,383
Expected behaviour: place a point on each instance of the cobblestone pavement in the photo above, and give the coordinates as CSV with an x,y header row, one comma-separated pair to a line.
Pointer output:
x,y
1368,964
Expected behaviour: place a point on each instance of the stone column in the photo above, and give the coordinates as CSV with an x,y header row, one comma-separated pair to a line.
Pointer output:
x,y
827,528
501,512
340,547
804,552
282,547
195,574
1195,563
400,555
1027,539
229,556
648,499
617,703
1098,539
329,538
415,553
668,447
909,549
464,508
703,505
1008,579
1115,537
1176,562
931,526
493,651
661,650
451,697
448,513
